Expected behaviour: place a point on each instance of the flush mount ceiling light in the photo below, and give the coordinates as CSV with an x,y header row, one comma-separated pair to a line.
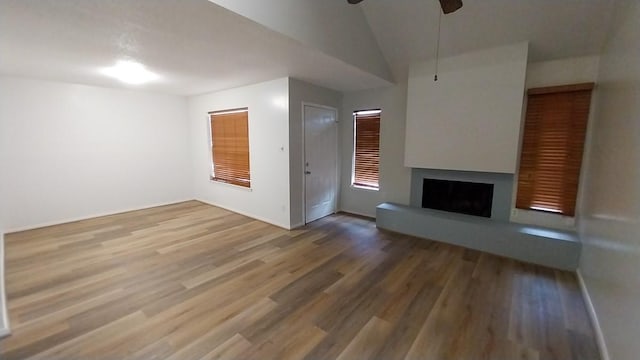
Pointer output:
x,y
130,72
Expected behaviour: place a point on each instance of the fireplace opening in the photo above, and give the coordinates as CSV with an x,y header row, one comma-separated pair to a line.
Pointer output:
x,y
458,196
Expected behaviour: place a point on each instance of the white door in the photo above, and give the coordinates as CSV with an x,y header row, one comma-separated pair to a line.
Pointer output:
x,y
321,162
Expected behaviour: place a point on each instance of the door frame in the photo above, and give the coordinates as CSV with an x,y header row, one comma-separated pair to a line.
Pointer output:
x,y
336,181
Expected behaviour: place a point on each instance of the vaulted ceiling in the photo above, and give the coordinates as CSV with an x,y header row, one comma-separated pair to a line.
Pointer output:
x,y
200,46
406,30
195,46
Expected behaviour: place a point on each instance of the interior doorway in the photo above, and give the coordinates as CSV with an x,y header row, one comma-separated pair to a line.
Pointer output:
x,y
320,161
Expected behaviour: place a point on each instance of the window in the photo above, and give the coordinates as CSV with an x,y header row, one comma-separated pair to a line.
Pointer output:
x,y
230,147
366,152
552,146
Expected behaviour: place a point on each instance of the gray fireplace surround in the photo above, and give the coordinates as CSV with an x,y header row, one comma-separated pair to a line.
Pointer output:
x,y
496,235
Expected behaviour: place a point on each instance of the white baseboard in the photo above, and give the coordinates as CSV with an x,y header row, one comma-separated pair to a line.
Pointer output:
x,y
253,216
4,314
373,217
95,215
602,346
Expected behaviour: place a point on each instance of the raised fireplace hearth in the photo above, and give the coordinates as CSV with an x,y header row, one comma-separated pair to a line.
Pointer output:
x,y
554,248
463,197
491,231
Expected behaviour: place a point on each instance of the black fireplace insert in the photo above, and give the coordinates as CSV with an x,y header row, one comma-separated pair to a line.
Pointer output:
x,y
458,196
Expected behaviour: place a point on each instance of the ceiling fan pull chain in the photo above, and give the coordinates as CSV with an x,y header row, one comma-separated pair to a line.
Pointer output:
x,y
435,77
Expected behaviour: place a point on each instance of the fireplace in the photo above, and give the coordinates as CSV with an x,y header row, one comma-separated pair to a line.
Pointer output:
x,y
502,187
471,198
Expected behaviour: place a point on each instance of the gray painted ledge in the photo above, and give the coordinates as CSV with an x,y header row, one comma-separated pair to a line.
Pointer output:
x,y
533,244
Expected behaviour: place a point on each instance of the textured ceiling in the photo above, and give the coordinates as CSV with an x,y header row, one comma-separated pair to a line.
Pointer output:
x,y
194,45
406,29
197,46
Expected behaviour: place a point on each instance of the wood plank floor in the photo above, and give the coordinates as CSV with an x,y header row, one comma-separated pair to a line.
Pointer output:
x,y
192,281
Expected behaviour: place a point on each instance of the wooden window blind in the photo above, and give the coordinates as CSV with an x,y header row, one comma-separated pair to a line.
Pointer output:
x,y
552,147
230,147
366,160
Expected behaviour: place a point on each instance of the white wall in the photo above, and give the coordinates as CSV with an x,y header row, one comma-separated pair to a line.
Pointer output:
x,y
73,151
301,92
333,27
4,316
470,118
395,178
553,73
610,217
268,199
562,72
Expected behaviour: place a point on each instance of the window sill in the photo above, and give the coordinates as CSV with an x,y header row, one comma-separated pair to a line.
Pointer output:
x,y
232,186
543,218
366,188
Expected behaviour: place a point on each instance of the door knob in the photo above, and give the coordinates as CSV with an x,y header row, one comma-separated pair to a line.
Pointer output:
x,y
307,172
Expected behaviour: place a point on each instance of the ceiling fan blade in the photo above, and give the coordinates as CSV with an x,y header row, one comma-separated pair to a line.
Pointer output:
x,y
449,6
354,1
